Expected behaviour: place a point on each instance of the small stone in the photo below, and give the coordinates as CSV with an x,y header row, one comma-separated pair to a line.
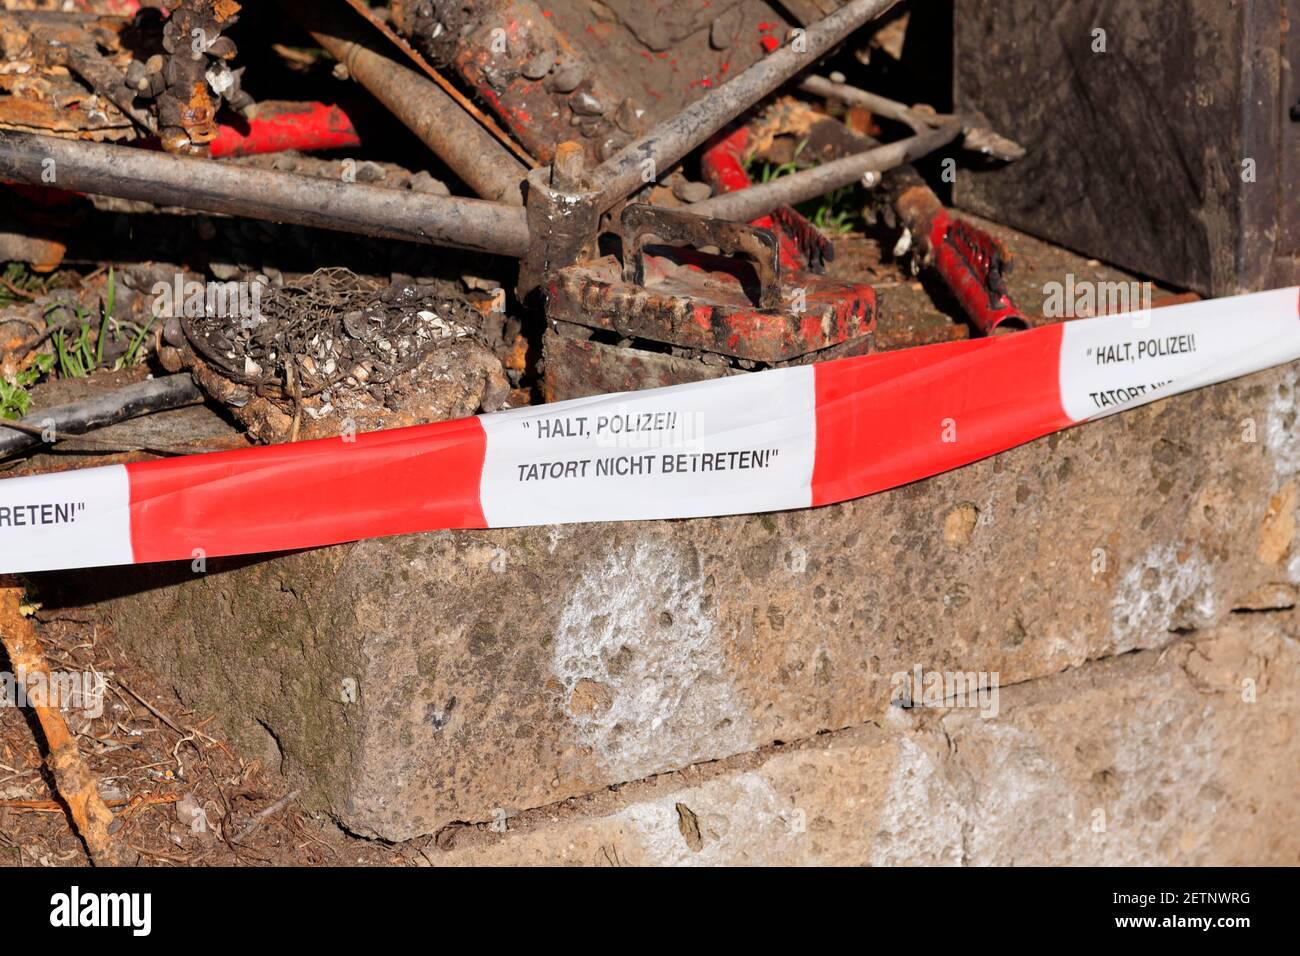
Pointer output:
x,y
423,182
725,28
173,333
191,815
959,525
688,191
368,172
627,116
689,825
585,104
612,145
539,65
719,34
567,76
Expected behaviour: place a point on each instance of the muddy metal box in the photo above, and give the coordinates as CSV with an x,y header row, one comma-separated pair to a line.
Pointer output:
x,y
1163,135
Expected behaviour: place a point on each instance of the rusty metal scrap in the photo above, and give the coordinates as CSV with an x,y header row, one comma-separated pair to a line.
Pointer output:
x,y
664,145
708,282
453,135
40,89
265,194
361,7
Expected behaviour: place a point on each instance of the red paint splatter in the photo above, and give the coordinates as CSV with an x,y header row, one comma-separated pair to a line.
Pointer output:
x,y
769,43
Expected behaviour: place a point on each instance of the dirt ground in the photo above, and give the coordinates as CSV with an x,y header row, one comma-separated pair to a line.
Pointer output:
x,y
163,771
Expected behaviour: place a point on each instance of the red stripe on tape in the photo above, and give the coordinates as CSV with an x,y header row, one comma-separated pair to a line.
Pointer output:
x,y
884,420
281,497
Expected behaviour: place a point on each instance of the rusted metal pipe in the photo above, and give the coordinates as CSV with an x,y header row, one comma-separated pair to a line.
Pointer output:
x,y
880,105
979,137
440,123
262,194
362,7
747,204
624,173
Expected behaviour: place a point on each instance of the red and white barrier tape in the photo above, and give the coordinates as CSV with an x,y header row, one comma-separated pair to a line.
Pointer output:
x,y
766,441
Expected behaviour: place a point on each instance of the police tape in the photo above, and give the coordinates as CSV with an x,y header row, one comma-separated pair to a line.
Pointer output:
x,y
766,441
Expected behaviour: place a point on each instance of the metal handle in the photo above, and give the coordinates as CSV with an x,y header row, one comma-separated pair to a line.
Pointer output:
x,y
759,246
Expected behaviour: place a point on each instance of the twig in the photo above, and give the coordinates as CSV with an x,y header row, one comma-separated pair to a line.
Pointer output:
x,y
17,290
53,806
263,815
180,860
75,783
150,707
182,731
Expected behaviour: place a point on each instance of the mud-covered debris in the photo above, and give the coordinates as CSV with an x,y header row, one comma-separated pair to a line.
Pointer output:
x,y
334,351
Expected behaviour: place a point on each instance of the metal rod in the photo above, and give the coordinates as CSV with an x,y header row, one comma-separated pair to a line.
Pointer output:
x,y
421,106
622,174
746,204
395,38
107,408
880,105
262,194
978,136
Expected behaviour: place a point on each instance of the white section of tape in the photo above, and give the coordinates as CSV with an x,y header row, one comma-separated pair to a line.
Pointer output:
x,y
739,444
47,519
1112,363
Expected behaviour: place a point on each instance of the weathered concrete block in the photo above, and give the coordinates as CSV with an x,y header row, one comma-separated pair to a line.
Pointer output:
x,y
1187,756
421,680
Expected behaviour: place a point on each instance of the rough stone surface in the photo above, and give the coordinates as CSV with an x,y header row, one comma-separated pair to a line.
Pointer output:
x,y
1184,756
464,676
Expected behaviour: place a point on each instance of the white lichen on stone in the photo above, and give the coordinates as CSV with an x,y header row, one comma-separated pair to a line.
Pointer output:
x,y
1160,593
635,630
1280,430
920,820
742,820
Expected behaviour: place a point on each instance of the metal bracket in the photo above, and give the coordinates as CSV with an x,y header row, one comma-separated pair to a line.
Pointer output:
x,y
642,223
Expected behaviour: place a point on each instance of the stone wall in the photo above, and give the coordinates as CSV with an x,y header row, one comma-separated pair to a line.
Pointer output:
x,y
719,690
